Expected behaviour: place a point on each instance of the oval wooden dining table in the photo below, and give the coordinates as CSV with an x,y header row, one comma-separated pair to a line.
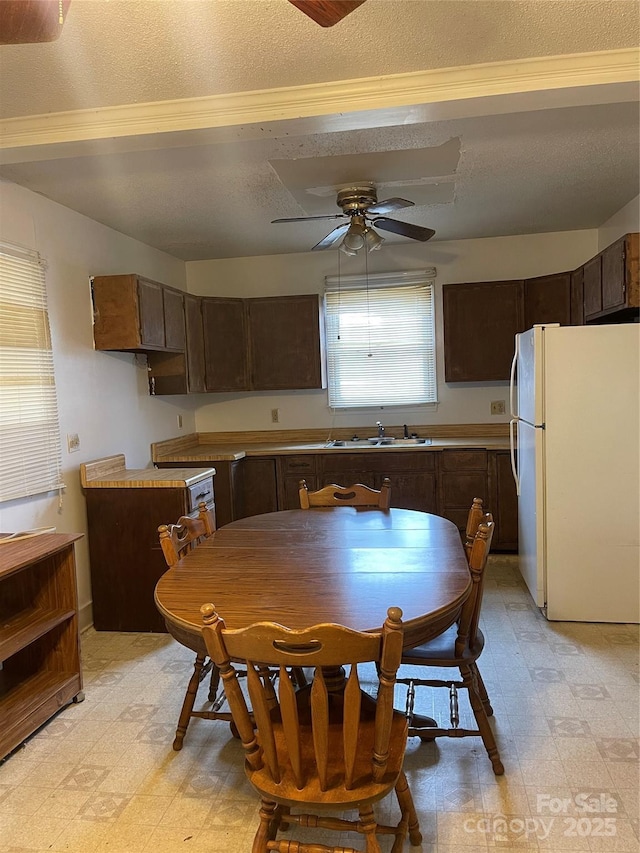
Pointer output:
x,y
344,565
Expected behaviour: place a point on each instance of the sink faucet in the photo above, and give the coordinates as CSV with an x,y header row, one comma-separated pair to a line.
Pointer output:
x,y
380,429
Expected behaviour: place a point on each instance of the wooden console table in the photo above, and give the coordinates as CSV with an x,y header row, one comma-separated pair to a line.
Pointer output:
x,y
39,636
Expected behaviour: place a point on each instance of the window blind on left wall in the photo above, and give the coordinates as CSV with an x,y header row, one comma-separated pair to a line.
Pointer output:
x,y
30,451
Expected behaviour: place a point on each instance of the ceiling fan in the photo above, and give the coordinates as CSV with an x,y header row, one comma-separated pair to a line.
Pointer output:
x,y
326,12
360,206
32,21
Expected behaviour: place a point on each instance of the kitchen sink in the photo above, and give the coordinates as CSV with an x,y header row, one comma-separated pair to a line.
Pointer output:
x,y
387,441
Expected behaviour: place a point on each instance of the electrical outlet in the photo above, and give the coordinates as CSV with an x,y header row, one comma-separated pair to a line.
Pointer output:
x,y
73,442
275,416
497,407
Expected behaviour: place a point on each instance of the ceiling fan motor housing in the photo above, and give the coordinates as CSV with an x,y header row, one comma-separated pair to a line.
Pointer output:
x,y
355,200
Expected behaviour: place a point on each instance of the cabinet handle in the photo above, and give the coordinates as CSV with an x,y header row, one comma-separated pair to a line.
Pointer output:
x,y
152,385
202,495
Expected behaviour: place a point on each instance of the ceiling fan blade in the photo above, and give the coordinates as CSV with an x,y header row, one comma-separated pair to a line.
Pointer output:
x,y
388,205
326,12
31,21
406,229
332,237
309,218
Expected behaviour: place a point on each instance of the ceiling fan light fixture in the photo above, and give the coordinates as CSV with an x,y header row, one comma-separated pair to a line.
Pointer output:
x,y
354,239
343,248
373,240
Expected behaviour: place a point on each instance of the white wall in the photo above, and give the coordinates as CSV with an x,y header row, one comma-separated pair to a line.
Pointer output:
x,y
459,261
625,221
101,396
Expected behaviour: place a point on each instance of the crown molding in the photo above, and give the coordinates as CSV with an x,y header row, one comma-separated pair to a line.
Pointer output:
x,y
613,74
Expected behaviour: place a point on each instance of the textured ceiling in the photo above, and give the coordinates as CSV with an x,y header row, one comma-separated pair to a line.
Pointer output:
x,y
525,172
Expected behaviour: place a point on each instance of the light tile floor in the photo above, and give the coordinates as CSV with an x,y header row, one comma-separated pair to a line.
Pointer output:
x,y
102,776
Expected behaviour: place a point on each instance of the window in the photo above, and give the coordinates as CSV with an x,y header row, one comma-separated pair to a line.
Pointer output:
x,y
381,339
30,455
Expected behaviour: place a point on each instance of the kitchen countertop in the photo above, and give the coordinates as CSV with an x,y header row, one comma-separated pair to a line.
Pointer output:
x,y
111,473
231,452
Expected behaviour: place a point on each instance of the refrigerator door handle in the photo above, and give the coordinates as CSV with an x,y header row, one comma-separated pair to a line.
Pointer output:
x,y
512,444
512,382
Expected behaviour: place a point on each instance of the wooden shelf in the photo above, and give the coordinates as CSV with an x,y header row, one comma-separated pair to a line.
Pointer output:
x,y
27,704
22,629
39,638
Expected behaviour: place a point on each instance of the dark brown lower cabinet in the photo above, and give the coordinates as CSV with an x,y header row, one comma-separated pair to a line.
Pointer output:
x,y
443,482
125,554
260,486
412,475
292,469
463,476
503,501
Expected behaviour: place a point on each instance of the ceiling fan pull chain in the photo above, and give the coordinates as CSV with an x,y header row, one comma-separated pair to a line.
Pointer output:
x,y
366,275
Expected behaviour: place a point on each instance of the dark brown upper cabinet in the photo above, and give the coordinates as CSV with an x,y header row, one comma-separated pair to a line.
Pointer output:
x,y
195,344
480,324
482,319
577,297
285,349
612,283
225,344
136,314
547,299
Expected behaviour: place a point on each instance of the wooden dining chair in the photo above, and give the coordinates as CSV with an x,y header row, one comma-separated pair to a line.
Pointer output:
x,y
356,495
318,748
176,540
475,516
459,647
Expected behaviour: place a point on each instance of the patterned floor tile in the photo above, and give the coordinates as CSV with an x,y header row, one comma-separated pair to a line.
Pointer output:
x,y
102,776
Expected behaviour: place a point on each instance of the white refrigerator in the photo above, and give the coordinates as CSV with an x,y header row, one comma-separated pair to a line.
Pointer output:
x,y
575,413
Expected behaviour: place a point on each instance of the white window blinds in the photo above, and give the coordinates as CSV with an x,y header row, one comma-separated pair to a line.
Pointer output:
x,y
381,339
30,454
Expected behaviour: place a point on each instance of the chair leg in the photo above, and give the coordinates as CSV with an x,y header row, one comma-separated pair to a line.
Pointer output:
x,y
266,831
408,810
189,701
214,683
482,720
369,825
482,690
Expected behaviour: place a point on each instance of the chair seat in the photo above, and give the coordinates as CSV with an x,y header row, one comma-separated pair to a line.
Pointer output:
x,y
440,651
365,790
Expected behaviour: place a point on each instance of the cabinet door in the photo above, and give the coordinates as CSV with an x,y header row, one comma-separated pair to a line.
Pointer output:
x,y
613,276
411,490
126,559
174,335
463,476
260,489
151,307
592,287
503,502
577,297
194,344
348,477
547,299
481,321
284,343
290,498
225,344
